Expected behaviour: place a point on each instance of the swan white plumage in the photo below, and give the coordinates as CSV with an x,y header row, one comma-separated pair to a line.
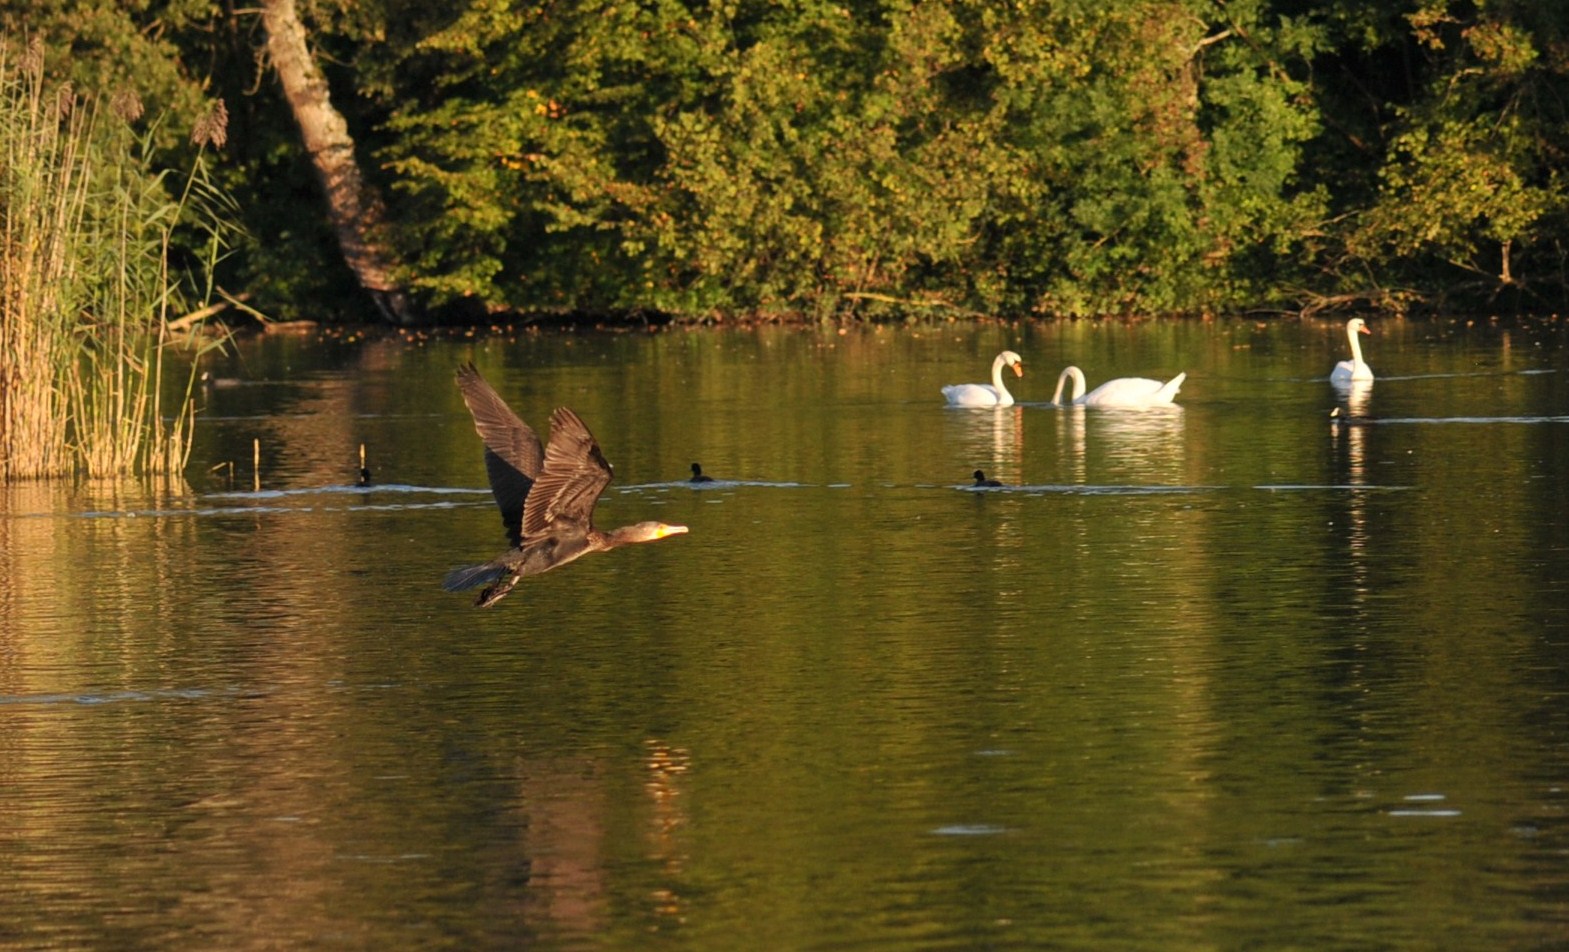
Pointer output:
x,y
1355,368
983,395
1121,392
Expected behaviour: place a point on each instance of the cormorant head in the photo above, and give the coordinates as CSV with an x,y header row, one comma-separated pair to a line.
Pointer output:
x,y
647,532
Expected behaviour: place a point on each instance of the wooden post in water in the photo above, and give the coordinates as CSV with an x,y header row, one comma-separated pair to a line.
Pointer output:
x,y
256,464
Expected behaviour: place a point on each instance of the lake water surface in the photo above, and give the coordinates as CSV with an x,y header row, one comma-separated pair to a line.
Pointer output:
x,y
1218,677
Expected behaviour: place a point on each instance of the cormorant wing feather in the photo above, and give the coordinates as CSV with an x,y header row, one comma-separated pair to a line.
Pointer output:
x,y
513,456
575,474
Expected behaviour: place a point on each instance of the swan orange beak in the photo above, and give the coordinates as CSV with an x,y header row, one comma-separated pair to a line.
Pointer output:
x,y
1018,369
1363,330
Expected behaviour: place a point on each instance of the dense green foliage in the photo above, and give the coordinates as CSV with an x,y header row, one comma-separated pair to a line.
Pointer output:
x,y
863,157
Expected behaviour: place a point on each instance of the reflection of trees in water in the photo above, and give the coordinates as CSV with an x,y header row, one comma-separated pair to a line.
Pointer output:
x,y
567,810
309,428
562,806
112,572
375,760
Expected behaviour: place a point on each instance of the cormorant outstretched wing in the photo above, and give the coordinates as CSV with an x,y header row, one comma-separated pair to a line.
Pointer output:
x,y
574,475
513,456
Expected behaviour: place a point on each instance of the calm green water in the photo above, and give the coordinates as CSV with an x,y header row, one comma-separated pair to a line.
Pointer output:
x,y
1213,678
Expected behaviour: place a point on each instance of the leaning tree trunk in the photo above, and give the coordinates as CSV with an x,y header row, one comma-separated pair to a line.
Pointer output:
x,y
355,213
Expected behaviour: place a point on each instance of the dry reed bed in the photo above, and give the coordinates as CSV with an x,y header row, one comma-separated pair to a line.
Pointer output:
x,y
87,225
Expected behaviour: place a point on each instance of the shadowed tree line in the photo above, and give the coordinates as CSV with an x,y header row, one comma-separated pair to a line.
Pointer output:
x,y
1079,157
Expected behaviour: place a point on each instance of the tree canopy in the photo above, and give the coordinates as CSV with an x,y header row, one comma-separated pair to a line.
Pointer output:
x,y
871,157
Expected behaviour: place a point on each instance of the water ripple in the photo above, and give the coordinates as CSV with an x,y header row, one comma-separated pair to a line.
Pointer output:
x,y
124,696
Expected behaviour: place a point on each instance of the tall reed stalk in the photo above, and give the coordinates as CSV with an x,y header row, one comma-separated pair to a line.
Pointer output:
x,y
86,285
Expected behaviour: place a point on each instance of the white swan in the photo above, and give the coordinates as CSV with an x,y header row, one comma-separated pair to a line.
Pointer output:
x,y
1121,392
1355,368
982,395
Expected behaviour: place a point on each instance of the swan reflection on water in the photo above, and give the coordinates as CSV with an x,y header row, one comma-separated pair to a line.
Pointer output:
x,y
1115,444
1150,423
994,441
1354,397
1347,423
1142,445
1349,432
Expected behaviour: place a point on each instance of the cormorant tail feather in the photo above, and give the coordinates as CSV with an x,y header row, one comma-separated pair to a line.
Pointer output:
x,y
471,576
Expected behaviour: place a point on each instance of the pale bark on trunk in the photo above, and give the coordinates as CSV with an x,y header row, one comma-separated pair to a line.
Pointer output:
x,y
352,207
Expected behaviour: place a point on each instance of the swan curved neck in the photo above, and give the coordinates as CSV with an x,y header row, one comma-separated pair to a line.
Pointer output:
x,y
1077,376
997,384
1356,345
